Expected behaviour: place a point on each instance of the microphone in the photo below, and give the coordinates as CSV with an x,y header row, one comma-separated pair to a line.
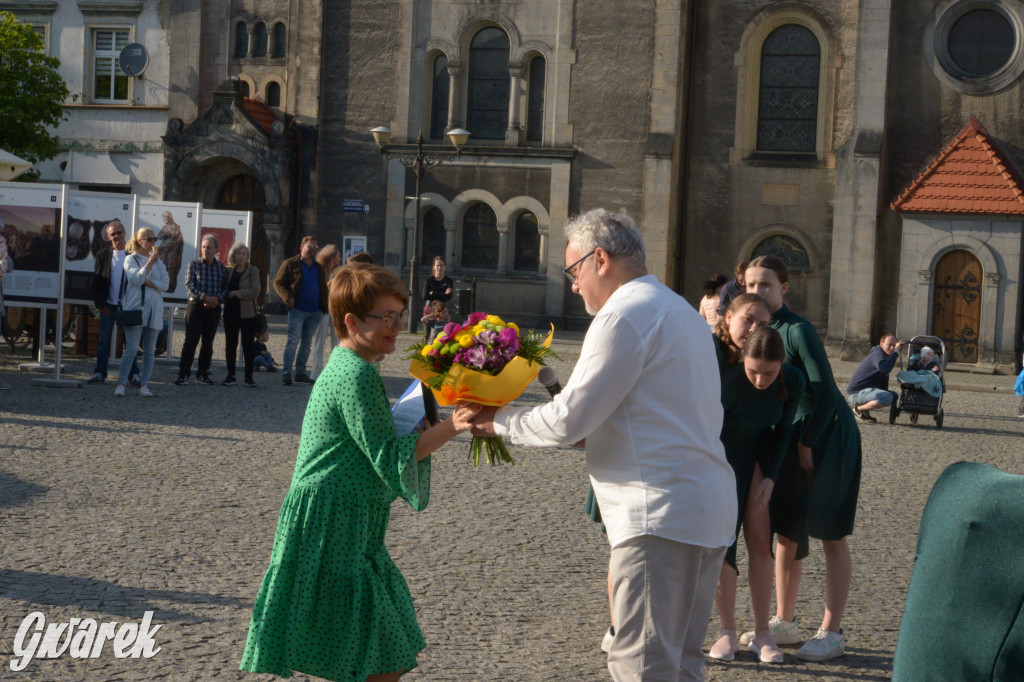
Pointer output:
x,y
548,377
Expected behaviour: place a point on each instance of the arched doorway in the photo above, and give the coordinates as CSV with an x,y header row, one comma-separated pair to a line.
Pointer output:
x,y
244,192
956,304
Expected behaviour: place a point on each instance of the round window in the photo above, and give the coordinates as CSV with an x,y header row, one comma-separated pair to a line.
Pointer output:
x,y
974,46
981,42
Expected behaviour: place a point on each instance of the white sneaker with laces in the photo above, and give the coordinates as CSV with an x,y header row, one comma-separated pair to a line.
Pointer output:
x,y
824,646
783,632
119,391
145,392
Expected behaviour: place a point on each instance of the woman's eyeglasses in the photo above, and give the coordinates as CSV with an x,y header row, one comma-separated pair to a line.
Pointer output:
x,y
393,320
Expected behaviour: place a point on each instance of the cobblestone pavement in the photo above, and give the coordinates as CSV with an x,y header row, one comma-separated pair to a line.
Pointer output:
x,y
110,507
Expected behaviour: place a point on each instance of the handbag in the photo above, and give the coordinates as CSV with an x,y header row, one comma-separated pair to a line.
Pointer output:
x,y
262,327
129,318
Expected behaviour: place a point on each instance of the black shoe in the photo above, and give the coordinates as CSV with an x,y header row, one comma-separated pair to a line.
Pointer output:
x,y
204,379
271,369
230,381
181,380
97,378
303,379
250,383
864,416
286,379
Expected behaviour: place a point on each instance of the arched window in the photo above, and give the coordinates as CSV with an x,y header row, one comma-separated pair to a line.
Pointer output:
x,y
527,251
260,40
280,40
439,98
480,237
787,111
433,238
535,101
792,252
245,88
489,85
273,97
241,40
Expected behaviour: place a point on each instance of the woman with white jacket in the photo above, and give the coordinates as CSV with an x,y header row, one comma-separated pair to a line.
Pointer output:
x,y
145,279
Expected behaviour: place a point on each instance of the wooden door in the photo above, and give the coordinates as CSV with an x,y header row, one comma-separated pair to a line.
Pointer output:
x,y
956,305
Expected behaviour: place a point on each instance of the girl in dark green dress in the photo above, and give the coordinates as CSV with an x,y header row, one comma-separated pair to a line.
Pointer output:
x,y
759,397
332,603
817,488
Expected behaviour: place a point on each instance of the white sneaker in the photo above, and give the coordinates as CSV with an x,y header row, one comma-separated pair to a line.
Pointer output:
x,y
145,392
824,646
783,632
119,391
609,635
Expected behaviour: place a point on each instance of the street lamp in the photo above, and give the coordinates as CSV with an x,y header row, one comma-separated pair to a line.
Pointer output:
x,y
418,160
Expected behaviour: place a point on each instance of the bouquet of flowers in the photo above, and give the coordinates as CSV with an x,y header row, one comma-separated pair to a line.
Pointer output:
x,y
485,361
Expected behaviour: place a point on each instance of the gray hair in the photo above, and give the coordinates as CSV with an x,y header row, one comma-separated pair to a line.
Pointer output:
x,y
211,238
233,253
616,233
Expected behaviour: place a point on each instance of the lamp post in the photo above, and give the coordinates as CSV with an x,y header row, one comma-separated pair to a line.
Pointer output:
x,y
418,160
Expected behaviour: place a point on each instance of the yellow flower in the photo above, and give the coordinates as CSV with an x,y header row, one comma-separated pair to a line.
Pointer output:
x,y
513,325
465,341
426,351
494,319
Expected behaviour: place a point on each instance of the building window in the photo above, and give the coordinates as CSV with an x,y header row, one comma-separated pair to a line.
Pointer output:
x,y
975,46
434,237
259,48
527,249
245,88
280,40
981,42
480,237
273,96
439,98
792,252
489,85
241,40
535,101
788,95
110,83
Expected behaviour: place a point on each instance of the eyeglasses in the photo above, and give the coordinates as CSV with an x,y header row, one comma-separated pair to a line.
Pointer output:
x,y
147,239
570,273
393,320
117,234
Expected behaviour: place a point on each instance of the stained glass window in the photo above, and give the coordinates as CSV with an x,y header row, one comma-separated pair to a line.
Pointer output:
x,y
260,40
787,112
535,105
280,40
433,237
487,97
480,237
241,40
792,252
981,42
273,98
439,98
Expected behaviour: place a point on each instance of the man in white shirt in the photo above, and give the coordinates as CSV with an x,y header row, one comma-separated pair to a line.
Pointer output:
x,y
107,284
645,395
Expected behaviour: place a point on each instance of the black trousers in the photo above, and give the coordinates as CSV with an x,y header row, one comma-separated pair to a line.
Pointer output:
x,y
200,324
233,324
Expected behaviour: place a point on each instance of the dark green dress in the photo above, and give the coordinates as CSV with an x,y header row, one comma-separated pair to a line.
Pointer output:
x,y
333,603
756,428
964,615
825,505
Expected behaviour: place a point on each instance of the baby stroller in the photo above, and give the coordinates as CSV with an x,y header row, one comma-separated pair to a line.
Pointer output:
x,y
914,399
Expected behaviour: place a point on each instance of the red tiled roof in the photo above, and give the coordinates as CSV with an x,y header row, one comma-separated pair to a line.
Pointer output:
x,y
971,175
263,114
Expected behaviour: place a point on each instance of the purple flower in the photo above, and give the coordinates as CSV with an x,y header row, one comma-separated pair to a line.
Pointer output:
x,y
451,328
474,318
472,357
486,337
508,339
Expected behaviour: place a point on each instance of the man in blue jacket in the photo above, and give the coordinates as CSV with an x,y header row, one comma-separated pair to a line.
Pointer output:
x,y
869,385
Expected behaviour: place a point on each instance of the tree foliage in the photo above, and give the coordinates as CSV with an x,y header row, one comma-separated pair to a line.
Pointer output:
x,y
32,92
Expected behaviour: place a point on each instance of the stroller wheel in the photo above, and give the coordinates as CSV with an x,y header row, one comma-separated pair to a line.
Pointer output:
x,y
938,419
913,417
894,411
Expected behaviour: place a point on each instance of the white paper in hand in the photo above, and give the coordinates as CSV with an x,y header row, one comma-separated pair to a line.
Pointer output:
x,y
408,410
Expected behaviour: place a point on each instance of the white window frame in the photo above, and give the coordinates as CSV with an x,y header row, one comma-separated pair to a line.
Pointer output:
x,y
94,56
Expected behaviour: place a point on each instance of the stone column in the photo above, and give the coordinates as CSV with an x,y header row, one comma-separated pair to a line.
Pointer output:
x,y
502,248
276,234
449,243
542,252
251,48
514,132
454,70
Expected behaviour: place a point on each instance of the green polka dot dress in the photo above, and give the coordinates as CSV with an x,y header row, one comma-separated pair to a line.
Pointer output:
x,y
332,603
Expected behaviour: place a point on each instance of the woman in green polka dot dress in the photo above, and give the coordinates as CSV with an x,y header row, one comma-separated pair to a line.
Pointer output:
x,y
332,602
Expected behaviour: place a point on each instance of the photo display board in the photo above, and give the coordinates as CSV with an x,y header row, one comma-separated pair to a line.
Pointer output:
x,y
87,217
228,227
30,222
176,225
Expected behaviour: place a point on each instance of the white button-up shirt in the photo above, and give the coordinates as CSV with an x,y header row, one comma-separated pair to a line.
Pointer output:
x,y
646,395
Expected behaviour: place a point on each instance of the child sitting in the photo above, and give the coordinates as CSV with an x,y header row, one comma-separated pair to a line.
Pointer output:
x,y
263,357
435,321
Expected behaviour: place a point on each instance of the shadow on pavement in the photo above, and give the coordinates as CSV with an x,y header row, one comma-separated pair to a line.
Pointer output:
x,y
101,596
15,491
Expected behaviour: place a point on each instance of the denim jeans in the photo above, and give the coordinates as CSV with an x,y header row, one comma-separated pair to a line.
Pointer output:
x,y
107,323
301,327
132,336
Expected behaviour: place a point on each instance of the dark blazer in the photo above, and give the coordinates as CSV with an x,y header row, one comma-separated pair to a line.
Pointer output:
x,y
289,278
101,277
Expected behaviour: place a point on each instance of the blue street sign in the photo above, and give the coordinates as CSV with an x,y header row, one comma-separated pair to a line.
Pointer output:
x,y
353,206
